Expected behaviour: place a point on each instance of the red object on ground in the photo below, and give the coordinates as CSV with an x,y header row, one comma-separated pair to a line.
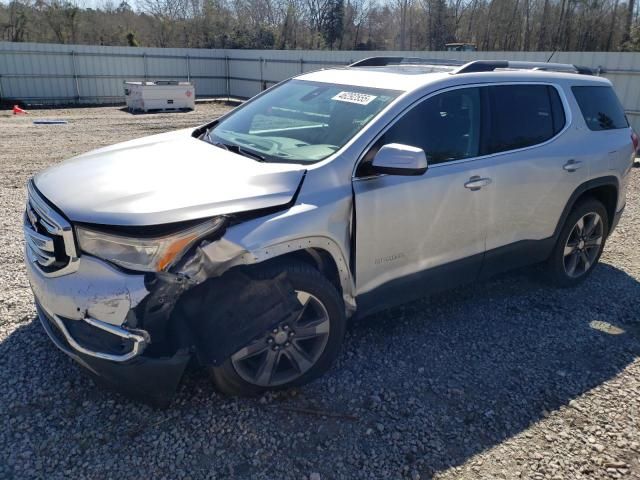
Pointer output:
x,y
17,110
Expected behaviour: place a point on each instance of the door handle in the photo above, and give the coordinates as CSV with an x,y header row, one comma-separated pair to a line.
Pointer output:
x,y
476,183
572,165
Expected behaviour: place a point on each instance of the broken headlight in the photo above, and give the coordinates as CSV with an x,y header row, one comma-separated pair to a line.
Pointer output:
x,y
144,254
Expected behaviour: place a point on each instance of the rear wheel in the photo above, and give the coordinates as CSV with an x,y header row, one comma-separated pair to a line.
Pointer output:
x,y
293,352
580,244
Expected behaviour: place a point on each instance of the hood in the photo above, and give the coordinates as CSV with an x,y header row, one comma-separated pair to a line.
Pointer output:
x,y
164,178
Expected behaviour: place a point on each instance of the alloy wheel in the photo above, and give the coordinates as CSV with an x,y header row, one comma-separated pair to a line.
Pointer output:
x,y
583,245
289,350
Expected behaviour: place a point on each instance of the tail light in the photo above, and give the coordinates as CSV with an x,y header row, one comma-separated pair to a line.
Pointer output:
x,y
634,139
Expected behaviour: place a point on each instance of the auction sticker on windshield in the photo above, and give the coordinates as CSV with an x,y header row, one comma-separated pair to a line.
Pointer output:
x,y
355,97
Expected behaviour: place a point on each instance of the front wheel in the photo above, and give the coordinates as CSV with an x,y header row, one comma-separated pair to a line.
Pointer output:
x,y
580,244
293,352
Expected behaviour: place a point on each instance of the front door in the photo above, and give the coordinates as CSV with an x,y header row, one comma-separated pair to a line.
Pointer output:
x,y
418,234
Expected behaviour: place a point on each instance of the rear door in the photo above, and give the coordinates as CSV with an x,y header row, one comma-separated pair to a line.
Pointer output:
x,y
537,164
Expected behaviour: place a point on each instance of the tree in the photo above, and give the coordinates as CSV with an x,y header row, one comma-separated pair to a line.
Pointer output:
x,y
403,7
628,24
333,24
288,34
541,25
62,17
124,7
131,39
16,27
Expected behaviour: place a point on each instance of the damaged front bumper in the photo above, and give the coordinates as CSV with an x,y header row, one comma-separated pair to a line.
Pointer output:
x,y
88,314
152,380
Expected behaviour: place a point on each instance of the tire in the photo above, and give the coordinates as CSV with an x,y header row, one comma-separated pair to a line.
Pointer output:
x,y
575,250
235,376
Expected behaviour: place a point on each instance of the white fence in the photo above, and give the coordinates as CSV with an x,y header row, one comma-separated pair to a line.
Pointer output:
x,y
37,73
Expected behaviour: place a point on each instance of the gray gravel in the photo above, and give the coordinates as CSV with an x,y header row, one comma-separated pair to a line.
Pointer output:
x,y
503,380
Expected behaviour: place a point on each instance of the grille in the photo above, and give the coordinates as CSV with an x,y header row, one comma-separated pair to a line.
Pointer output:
x,y
49,237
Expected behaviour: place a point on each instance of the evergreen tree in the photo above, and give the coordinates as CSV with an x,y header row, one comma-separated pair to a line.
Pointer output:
x,y
333,27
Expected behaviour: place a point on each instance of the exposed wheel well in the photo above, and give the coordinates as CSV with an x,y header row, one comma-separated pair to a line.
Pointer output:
x,y
606,194
319,259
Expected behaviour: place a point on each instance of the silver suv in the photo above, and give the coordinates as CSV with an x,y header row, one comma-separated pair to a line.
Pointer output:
x,y
247,243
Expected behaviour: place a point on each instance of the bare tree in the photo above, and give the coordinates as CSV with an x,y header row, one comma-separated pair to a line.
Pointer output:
x,y
626,38
15,29
526,26
403,7
343,24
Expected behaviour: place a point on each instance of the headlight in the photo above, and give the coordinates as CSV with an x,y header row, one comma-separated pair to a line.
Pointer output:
x,y
146,254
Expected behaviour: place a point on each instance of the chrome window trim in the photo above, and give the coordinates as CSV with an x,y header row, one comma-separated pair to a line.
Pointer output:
x,y
568,114
55,224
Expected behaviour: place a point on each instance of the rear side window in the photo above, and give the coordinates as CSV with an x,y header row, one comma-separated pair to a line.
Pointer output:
x,y
522,115
600,108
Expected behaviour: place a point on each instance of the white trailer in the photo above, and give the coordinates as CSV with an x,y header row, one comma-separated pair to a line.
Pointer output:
x,y
161,95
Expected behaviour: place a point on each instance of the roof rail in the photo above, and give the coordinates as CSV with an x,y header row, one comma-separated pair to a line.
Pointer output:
x,y
491,65
385,61
477,65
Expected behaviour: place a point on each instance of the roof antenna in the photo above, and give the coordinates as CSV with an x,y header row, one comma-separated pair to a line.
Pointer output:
x,y
551,56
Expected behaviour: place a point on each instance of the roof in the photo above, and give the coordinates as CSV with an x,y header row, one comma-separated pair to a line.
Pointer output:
x,y
402,78
408,77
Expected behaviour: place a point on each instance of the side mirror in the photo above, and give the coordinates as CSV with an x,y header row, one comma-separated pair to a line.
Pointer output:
x,y
399,159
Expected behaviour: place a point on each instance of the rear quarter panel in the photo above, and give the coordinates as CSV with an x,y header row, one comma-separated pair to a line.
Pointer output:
x,y
607,152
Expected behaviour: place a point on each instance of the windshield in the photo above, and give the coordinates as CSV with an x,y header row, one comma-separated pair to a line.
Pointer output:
x,y
300,121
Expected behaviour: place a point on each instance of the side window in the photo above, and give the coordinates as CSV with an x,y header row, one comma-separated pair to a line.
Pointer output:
x,y
559,118
522,115
445,126
600,108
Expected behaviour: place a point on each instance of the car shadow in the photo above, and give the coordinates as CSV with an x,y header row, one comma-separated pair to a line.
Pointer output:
x,y
423,387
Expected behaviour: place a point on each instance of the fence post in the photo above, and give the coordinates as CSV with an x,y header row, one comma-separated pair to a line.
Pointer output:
x,y
75,75
263,85
301,65
144,62
188,69
227,75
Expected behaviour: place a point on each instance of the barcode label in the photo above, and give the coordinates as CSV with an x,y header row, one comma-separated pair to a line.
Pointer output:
x,y
355,97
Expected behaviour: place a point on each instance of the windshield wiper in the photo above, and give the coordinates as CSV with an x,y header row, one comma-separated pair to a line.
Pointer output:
x,y
240,150
250,153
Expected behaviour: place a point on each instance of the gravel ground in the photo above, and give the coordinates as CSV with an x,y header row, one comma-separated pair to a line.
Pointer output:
x,y
502,380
